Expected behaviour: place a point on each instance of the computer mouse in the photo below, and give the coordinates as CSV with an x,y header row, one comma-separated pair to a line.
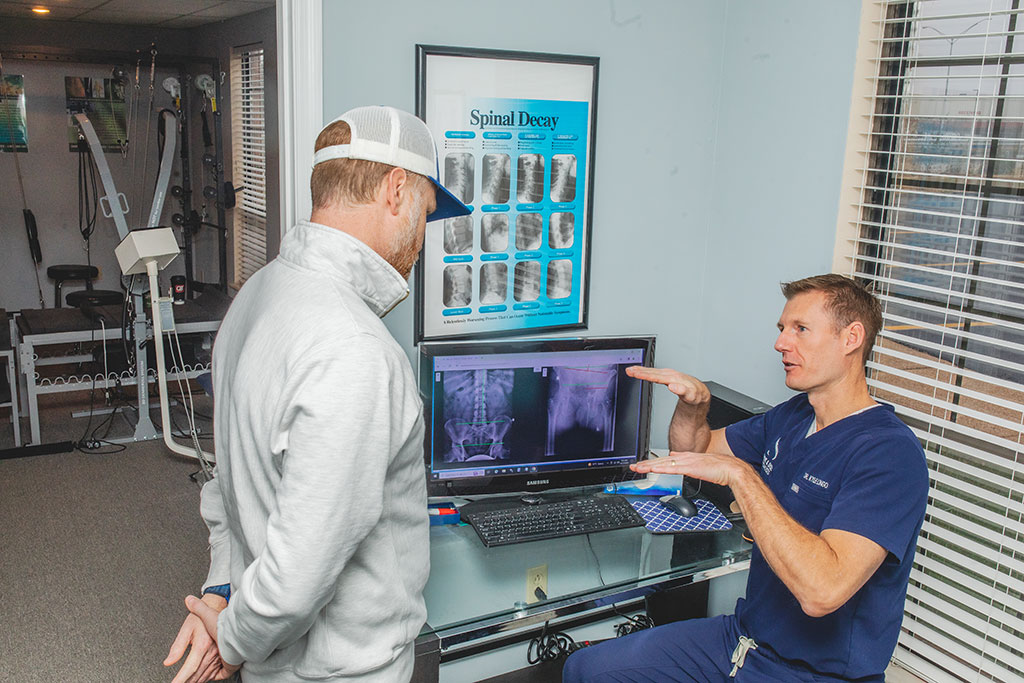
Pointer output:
x,y
681,505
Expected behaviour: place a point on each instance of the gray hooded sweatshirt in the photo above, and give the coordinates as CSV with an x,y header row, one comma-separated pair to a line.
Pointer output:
x,y
317,513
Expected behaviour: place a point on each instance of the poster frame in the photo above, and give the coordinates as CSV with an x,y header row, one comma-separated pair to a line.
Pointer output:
x,y
426,85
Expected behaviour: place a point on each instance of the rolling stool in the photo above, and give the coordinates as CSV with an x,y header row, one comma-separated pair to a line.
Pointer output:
x,y
94,297
61,274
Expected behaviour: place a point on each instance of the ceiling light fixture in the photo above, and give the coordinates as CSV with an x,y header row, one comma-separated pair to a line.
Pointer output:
x,y
40,10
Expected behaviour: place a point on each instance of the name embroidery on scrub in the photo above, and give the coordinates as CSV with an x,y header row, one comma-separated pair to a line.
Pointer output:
x,y
769,458
808,477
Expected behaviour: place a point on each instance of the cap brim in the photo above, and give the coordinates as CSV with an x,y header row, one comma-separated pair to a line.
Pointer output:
x,y
448,205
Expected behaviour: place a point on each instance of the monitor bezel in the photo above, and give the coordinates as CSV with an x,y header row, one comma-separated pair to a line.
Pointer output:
x,y
517,483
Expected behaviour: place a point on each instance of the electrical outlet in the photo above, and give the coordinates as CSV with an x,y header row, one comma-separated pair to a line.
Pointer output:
x,y
536,577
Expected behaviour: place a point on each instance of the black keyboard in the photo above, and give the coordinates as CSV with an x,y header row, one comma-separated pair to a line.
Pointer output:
x,y
521,522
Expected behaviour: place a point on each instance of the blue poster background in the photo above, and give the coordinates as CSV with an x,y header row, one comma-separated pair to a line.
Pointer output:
x,y
545,142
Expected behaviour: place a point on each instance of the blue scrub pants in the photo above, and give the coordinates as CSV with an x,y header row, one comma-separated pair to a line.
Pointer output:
x,y
691,650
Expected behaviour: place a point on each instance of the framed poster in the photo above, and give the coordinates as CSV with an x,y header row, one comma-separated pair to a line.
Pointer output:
x,y
13,124
516,137
103,99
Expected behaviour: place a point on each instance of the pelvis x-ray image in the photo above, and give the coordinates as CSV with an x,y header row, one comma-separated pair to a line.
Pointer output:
x,y
497,176
563,178
457,287
530,178
526,286
559,278
458,175
494,232
581,409
529,231
561,228
458,235
478,402
493,283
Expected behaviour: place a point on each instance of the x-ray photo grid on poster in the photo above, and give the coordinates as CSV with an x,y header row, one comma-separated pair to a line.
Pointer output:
x,y
515,135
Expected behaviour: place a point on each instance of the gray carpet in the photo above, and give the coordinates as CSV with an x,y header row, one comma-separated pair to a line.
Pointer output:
x,y
97,553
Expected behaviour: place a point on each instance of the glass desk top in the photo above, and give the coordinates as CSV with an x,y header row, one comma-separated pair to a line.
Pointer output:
x,y
474,591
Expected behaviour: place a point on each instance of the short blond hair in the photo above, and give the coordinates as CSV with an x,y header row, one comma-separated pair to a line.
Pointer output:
x,y
348,181
846,300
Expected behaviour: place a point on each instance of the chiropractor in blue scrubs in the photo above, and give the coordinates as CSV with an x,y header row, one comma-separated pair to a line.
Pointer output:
x,y
833,488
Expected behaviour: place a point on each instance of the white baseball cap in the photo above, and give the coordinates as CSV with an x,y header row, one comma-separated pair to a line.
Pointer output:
x,y
395,137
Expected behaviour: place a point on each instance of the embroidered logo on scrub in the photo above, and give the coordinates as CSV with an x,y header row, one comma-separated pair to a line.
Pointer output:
x,y
769,457
808,477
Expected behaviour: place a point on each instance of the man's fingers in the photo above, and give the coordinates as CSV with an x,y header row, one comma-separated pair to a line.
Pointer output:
x,y
186,674
179,645
687,388
657,375
210,666
206,614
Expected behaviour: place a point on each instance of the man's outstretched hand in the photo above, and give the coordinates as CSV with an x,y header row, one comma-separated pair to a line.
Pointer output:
x,y
689,389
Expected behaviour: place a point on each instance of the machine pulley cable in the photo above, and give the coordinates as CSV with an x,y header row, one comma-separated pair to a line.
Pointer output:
x,y
30,219
88,201
149,117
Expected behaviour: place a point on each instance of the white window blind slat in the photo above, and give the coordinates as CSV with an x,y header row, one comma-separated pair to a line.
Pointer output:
x,y
937,422
940,238
924,667
893,302
249,165
963,606
949,556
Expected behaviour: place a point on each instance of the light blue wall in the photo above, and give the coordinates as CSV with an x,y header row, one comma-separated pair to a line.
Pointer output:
x,y
786,76
715,119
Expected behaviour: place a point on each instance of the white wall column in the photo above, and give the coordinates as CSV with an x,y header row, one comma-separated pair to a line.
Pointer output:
x,y
300,92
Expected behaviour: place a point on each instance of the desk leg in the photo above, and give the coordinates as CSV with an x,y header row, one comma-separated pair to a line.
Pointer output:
x,y
428,659
26,354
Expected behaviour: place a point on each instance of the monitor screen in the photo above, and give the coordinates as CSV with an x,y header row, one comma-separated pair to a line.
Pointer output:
x,y
525,415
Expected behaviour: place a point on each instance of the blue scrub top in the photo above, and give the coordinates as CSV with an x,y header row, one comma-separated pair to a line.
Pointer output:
x,y
865,474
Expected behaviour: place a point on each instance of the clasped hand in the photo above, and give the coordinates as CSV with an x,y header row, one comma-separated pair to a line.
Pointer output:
x,y
199,631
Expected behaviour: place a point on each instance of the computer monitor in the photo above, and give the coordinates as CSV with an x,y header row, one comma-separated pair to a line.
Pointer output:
x,y
532,415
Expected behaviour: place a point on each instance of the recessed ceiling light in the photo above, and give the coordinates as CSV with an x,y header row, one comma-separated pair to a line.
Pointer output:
x,y
40,10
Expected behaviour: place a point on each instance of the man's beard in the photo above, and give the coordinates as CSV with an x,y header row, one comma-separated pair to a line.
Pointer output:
x,y
404,250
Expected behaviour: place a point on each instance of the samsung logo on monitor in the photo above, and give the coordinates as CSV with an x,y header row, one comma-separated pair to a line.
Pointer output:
x,y
534,482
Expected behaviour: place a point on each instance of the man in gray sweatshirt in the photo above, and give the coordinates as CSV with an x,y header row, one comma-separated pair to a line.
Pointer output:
x,y
317,514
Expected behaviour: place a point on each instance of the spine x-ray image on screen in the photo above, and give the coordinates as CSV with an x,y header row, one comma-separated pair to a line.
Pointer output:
x,y
477,406
535,413
581,409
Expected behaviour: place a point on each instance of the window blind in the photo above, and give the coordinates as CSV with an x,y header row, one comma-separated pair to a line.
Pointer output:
x,y
249,161
940,235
